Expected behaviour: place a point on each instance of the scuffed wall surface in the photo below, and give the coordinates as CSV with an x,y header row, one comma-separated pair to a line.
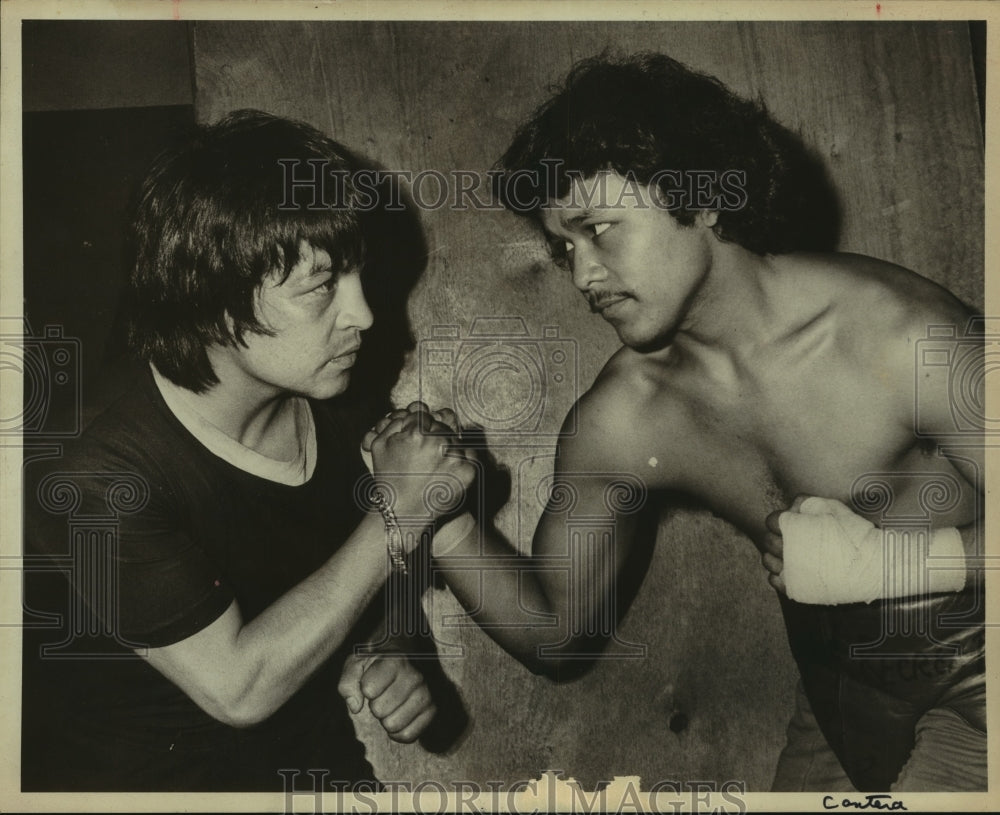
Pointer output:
x,y
891,110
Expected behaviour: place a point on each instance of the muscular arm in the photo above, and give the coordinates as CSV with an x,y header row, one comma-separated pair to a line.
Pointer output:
x,y
581,541
241,673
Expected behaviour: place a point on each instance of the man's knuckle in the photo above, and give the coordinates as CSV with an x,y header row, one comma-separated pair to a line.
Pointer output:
x,y
402,680
404,736
370,686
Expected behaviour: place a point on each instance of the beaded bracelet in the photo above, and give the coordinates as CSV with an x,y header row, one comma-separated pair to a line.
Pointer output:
x,y
393,534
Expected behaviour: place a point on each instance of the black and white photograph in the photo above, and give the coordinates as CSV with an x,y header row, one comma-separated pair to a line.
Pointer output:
x,y
497,408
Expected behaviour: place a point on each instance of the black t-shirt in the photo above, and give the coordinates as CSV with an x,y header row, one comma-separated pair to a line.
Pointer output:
x,y
158,536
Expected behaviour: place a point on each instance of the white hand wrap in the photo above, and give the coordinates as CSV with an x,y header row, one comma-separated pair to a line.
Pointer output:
x,y
833,556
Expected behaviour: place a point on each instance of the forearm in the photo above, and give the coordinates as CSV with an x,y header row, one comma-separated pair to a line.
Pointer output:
x,y
509,593
296,634
241,673
829,555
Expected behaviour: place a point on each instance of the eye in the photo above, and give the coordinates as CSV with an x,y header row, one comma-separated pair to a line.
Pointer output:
x,y
559,252
599,228
328,286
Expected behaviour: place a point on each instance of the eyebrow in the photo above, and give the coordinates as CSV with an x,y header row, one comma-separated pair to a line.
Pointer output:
x,y
575,221
306,279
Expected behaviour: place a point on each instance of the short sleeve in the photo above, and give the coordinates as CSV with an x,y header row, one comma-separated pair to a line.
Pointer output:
x,y
168,589
117,535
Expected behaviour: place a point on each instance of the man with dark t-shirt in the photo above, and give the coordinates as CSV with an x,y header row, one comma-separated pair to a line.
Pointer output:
x,y
243,558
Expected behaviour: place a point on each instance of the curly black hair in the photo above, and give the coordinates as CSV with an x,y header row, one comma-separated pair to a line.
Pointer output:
x,y
651,118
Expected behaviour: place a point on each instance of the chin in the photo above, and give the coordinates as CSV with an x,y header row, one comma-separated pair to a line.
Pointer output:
x,y
645,342
331,387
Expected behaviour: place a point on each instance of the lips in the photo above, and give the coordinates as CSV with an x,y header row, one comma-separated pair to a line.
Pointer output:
x,y
347,356
605,303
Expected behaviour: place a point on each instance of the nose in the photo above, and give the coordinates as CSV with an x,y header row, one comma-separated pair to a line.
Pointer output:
x,y
354,310
587,270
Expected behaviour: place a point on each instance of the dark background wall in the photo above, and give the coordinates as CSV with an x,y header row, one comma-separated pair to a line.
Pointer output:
x,y
102,64
100,99
891,109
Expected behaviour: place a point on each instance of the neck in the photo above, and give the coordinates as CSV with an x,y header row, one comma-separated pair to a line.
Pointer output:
x,y
734,312
258,416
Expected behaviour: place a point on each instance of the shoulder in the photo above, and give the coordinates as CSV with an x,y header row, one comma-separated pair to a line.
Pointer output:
x,y
888,296
882,318
138,446
879,309
628,411
895,308
132,430
120,463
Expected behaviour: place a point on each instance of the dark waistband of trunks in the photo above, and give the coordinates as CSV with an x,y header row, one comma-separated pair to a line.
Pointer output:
x,y
910,648
871,670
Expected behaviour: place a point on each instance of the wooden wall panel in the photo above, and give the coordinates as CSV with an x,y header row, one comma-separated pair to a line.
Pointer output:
x,y
891,109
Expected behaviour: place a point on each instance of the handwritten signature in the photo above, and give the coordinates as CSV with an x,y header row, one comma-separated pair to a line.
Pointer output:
x,y
871,802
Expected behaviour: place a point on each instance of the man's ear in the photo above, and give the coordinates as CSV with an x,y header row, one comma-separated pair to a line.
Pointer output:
x,y
709,217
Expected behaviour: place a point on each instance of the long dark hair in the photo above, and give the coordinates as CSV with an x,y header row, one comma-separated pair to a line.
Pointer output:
x,y
213,219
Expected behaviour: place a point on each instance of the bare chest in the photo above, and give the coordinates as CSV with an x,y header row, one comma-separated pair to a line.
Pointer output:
x,y
832,435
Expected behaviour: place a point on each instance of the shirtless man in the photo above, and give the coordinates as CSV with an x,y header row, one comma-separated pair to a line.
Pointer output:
x,y
754,373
